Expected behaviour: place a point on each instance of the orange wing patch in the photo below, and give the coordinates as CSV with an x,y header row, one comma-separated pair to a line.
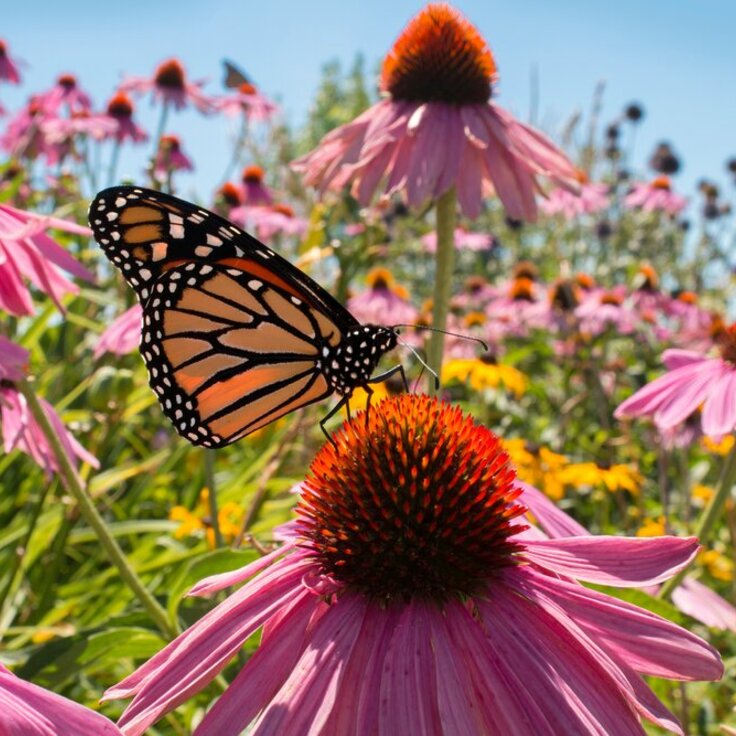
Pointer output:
x,y
140,213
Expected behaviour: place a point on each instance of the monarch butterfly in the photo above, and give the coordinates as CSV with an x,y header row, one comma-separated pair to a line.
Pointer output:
x,y
233,336
234,76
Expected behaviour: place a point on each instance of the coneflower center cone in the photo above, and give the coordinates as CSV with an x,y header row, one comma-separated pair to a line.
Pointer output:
x,y
416,502
439,57
170,75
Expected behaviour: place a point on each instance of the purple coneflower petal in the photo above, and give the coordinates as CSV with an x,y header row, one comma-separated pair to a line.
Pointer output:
x,y
622,628
719,411
580,694
263,675
615,561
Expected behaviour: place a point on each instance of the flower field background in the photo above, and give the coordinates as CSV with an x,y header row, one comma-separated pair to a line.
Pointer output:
x,y
569,268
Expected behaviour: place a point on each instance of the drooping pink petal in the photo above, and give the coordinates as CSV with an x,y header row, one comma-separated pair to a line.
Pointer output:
x,y
263,675
649,644
570,683
195,657
677,407
552,519
29,710
676,358
214,583
615,561
719,411
408,690
123,335
305,701
13,360
703,604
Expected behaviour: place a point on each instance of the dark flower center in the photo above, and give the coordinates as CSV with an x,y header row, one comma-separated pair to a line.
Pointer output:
x,y
522,289
230,194
417,502
253,174
726,341
439,57
169,143
611,298
67,81
170,74
3,50
120,106
246,88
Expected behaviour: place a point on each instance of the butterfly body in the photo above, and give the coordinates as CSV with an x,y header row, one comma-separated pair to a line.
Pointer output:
x,y
233,335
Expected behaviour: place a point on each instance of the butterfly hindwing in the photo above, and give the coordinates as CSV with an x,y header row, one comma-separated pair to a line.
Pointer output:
x,y
227,353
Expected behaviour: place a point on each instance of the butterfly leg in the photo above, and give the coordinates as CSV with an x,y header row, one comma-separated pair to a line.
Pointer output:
x,y
331,413
391,372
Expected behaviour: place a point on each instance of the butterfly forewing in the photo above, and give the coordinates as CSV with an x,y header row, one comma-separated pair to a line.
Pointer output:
x,y
233,336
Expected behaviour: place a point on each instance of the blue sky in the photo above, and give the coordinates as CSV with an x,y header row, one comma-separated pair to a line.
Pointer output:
x,y
675,56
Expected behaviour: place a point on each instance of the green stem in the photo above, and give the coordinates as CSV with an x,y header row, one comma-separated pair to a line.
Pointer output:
x,y
114,158
710,515
238,149
445,226
161,126
209,479
73,484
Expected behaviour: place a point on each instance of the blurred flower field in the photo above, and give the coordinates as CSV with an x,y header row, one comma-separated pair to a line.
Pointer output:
x,y
535,534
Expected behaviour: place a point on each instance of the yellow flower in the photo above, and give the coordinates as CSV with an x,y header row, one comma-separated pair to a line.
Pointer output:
x,y
484,374
717,564
613,478
722,447
359,397
652,528
538,466
702,494
198,521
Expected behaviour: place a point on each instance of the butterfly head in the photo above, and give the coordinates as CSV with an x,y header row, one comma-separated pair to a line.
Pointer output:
x,y
351,363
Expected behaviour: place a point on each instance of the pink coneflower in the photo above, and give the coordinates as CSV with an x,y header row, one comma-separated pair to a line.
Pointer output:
x,y
592,198
602,310
227,197
463,239
249,102
438,127
254,191
8,68
170,85
120,110
655,196
62,131
267,221
26,251
170,157
66,92
19,428
692,379
29,710
23,137
411,600
384,302
123,335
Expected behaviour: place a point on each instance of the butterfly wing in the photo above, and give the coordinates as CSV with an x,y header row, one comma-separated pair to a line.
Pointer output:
x,y
232,333
234,77
144,233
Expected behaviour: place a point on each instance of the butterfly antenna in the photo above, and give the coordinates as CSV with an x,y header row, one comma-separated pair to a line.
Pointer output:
x,y
444,332
419,358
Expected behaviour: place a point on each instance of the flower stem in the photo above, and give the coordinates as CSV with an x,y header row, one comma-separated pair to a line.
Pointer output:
x,y
445,226
161,128
710,515
209,479
74,485
114,158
